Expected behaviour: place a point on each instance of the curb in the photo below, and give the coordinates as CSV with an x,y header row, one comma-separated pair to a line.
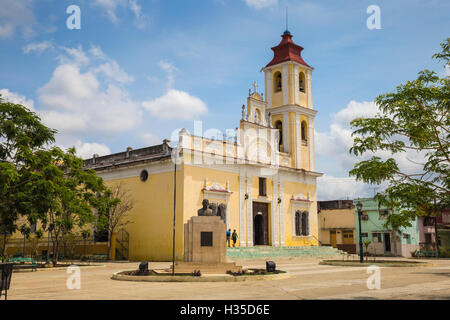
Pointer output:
x,y
209,278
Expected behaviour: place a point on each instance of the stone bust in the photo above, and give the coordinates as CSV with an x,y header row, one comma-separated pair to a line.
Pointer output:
x,y
205,210
213,208
222,212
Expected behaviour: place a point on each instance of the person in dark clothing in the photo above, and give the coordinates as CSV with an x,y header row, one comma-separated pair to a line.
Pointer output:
x,y
228,237
234,237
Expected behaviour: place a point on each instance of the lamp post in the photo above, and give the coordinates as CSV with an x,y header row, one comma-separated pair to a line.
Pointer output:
x,y
50,229
175,159
361,253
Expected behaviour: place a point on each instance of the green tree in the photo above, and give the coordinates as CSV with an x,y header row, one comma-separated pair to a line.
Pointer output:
x,y
415,117
21,135
68,194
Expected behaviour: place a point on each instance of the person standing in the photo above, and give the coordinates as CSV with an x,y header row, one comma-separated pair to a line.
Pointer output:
x,y
228,237
234,237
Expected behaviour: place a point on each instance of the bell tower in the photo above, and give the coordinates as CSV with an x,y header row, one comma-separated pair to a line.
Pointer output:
x,y
288,94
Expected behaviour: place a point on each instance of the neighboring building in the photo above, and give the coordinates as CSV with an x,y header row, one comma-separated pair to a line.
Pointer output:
x,y
443,228
384,240
427,232
263,179
337,224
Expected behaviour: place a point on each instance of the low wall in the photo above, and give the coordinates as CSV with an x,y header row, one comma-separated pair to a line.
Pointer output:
x,y
349,248
75,249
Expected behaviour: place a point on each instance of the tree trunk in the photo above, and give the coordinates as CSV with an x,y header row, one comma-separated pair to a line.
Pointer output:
x,y
55,253
5,239
109,244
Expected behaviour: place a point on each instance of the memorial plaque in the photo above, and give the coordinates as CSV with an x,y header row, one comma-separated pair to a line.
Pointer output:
x,y
206,239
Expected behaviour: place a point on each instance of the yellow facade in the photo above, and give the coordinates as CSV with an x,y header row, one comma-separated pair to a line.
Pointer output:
x,y
264,188
337,224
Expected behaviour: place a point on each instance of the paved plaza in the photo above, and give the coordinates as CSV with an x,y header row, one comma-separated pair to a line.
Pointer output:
x,y
308,280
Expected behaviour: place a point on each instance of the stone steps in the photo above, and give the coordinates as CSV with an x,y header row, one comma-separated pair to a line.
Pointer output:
x,y
268,252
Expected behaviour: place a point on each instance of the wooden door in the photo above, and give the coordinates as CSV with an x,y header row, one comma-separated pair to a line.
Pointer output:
x,y
333,238
260,223
348,237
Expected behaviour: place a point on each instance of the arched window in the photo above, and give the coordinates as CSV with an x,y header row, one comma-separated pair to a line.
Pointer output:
x,y
304,132
257,115
279,126
305,225
298,223
301,82
277,82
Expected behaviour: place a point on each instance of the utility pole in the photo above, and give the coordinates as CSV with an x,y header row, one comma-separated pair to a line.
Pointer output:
x,y
361,253
436,236
174,209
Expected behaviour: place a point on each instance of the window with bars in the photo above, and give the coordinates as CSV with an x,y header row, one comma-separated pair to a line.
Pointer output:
x,y
263,187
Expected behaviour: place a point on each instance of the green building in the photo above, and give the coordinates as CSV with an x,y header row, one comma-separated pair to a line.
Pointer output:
x,y
384,241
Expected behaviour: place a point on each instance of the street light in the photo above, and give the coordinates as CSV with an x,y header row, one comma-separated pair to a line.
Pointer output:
x,y
361,253
50,229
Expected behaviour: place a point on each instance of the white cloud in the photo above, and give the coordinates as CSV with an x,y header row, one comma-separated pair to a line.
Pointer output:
x,y
85,150
170,69
141,20
79,102
110,68
16,15
149,139
38,47
17,98
333,188
111,7
75,56
176,104
336,143
260,4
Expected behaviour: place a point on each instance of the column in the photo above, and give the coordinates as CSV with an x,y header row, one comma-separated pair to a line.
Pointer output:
x,y
296,85
241,210
249,213
309,80
286,138
274,213
285,87
311,144
281,186
269,88
298,139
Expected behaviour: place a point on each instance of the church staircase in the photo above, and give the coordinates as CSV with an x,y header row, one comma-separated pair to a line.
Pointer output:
x,y
268,252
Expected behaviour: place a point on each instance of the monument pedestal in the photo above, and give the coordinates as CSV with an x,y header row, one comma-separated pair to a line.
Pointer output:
x,y
205,246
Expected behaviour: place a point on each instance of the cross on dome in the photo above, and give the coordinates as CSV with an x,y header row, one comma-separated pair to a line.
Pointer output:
x,y
255,86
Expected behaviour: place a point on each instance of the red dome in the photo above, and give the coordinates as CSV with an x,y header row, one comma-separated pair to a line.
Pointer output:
x,y
287,50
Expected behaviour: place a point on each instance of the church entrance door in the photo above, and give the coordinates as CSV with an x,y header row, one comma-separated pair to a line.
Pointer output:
x,y
260,223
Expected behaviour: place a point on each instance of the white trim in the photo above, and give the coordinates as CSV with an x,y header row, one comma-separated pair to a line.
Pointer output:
x,y
298,139
293,108
281,185
269,87
274,213
286,138
309,80
296,85
285,84
242,211
135,170
311,144
299,205
249,213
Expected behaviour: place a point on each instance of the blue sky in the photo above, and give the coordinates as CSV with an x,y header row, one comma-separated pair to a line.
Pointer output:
x,y
122,78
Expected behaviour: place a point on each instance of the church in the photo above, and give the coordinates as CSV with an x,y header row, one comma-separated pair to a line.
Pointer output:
x,y
261,180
